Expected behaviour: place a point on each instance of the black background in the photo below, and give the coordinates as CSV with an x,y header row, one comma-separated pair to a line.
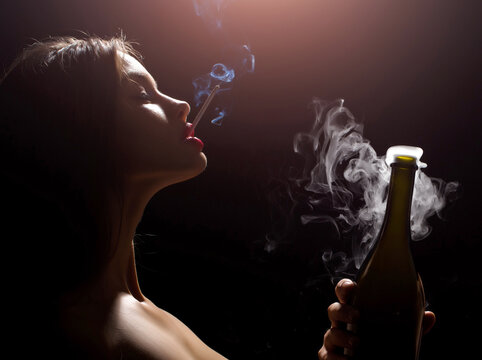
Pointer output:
x,y
410,71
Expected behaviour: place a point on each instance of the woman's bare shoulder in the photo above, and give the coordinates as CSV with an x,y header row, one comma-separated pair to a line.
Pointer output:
x,y
142,330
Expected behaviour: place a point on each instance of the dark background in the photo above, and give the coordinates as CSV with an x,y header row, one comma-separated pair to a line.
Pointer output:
x,y
410,71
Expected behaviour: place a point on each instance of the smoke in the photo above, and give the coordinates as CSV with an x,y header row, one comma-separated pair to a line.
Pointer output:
x,y
239,61
211,11
344,182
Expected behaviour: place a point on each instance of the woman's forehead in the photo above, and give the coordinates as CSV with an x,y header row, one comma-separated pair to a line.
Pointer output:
x,y
134,69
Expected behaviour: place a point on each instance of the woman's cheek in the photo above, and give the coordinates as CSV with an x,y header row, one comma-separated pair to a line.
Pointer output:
x,y
155,111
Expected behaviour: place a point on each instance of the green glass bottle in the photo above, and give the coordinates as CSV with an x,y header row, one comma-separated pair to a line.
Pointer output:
x,y
390,294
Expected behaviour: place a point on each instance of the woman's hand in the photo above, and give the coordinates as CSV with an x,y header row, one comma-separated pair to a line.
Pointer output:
x,y
340,314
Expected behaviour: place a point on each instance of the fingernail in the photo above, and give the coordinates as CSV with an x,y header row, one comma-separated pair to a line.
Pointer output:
x,y
352,327
348,352
346,282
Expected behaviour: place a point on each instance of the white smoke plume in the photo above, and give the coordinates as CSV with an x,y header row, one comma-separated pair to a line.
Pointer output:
x,y
343,172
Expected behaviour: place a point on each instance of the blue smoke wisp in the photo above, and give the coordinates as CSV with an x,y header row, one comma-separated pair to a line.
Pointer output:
x,y
239,61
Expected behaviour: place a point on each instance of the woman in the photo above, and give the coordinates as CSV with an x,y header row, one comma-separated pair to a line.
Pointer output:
x,y
86,140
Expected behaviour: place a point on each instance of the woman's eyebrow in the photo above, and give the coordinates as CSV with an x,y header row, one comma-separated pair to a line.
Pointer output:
x,y
143,78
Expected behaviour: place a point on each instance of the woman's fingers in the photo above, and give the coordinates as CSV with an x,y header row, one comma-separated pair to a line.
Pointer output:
x,y
345,290
342,313
428,321
324,355
337,338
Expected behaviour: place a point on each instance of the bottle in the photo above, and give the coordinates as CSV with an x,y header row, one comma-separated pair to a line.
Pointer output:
x,y
390,296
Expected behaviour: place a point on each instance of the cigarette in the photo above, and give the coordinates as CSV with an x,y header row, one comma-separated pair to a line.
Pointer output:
x,y
204,107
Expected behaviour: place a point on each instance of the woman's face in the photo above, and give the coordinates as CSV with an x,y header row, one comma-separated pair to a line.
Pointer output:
x,y
153,130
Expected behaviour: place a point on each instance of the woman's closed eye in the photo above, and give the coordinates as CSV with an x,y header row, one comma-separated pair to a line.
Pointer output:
x,y
144,96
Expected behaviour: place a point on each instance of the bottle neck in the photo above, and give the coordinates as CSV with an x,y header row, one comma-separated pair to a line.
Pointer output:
x,y
399,202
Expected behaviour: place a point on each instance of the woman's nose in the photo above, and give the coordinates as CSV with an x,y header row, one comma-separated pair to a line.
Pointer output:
x,y
183,109
176,108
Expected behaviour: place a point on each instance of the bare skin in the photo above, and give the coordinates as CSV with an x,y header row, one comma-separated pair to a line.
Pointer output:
x,y
340,314
110,317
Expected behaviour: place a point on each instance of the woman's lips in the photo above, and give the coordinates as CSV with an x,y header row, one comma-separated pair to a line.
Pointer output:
x,y
188,131
189,137
195,141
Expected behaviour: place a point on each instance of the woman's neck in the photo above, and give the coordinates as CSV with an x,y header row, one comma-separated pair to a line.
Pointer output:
x,y
120,274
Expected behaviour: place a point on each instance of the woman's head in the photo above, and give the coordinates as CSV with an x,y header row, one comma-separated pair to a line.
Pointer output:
x,y
152,130
80,122
88,106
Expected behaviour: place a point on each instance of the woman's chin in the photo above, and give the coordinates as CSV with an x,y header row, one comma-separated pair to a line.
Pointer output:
x,y
191,170
172,173
204,161
199,166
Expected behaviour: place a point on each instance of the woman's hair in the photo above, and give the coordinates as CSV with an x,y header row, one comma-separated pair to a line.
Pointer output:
x,y
58,159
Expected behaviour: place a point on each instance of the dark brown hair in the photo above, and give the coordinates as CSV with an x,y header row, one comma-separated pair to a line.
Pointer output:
x,y
58,155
